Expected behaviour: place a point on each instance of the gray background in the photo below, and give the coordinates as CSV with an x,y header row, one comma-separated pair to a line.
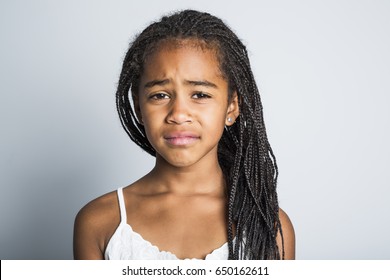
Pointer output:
x,y
322,67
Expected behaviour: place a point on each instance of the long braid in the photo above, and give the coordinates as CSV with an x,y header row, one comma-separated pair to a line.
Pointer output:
x,y
244,153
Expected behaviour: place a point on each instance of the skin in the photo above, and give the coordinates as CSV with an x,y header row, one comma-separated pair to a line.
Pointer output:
x,y
182,102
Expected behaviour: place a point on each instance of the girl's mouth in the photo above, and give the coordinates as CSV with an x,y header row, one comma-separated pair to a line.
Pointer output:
x,y
181,138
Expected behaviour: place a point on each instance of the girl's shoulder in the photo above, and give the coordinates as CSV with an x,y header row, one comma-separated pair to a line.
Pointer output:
x,y
99,209
288,235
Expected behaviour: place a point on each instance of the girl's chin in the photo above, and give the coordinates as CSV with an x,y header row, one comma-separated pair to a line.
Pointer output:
x,y
177,162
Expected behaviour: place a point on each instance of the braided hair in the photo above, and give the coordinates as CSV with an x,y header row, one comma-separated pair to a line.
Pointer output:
x,y
244,153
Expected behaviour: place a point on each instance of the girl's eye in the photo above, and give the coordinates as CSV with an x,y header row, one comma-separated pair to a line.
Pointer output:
x,y
159,95
200,95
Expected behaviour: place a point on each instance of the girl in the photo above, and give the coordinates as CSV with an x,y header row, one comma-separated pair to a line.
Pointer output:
x,y
212,193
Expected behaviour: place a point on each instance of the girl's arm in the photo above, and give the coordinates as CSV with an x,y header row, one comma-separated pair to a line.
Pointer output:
x,y
85,239
288,236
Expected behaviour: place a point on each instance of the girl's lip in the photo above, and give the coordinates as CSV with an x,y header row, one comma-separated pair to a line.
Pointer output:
x,y
183,134
181,138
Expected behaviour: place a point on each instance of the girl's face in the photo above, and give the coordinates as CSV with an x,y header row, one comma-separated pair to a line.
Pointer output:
x,y
183,103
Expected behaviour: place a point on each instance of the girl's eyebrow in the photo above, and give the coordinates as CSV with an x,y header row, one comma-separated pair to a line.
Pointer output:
x,y
204,83
156,83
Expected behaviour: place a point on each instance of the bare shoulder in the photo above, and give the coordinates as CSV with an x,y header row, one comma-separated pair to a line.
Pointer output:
x,y
288,236
94,225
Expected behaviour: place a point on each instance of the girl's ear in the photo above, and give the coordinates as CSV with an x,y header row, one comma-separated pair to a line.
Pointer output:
x,y
233,110
136,106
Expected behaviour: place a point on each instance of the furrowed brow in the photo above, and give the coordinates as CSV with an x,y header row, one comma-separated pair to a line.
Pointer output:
x,y
204,83
156,83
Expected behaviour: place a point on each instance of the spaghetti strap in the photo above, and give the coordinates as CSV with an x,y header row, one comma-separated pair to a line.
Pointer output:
x,y
122,206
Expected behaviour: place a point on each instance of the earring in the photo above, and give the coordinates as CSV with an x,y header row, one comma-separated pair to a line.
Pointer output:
x,y
229,119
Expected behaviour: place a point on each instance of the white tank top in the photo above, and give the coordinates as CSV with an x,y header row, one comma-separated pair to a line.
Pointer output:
x,y
126,244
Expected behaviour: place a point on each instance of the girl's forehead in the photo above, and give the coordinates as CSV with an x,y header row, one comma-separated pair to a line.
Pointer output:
x,y
164,50
186,59
189,59
174,44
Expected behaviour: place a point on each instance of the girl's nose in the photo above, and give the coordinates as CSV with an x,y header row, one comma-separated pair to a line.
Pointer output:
x,y
179,112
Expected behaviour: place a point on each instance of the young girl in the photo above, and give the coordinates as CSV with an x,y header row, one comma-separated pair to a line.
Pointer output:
x,y
212,193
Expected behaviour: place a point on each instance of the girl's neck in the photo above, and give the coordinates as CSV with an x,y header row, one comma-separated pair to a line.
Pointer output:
x,y
202,178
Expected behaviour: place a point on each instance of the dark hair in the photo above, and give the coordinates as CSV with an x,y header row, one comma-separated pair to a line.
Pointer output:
x,y
244,153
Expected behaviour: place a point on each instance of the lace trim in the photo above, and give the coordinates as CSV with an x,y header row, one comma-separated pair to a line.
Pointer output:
x,y
126,244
